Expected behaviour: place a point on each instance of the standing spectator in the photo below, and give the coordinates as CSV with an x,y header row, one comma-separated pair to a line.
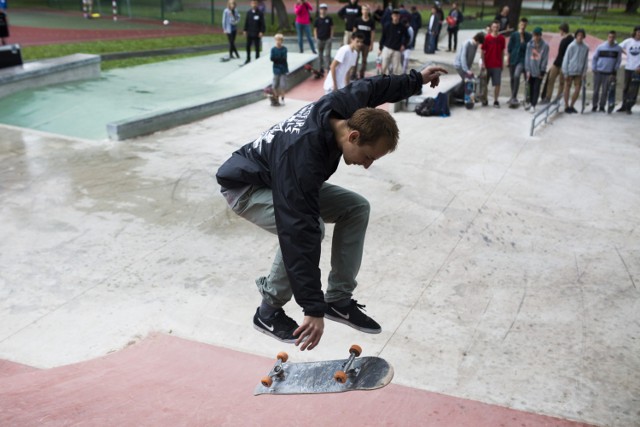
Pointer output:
x,y
465,56
406,53
535,65
393,41
503,18
367,27
631,47
440,14
323,32
516,50
254,28
416,23
454,20
377,14
303,23
493,58
605,63
343,64
349,13
280,70
574,68
556,68
230,20
433,28
4,24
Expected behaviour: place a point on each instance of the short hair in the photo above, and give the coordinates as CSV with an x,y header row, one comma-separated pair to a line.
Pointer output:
x,y
613,32
564,27
580,31
278,36
495,22
523,19
373,124
357,35
479,37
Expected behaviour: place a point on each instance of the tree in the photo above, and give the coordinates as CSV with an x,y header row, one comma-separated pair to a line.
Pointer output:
x,y
564,7
632,6
281,13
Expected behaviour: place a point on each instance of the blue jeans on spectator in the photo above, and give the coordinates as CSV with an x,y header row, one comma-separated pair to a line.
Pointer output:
x,y
307,29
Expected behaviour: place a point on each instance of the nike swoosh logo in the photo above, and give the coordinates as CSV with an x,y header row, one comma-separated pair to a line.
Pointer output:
x,y
269,328
344,316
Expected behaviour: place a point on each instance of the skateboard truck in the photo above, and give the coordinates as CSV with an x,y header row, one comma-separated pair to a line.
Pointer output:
x,y
341,376
277,371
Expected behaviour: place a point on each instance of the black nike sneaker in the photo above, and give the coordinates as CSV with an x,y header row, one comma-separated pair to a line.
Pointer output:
x,y
279,326
353,316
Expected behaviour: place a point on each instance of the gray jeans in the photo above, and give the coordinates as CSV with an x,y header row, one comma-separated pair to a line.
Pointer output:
x,y
324,54
347,210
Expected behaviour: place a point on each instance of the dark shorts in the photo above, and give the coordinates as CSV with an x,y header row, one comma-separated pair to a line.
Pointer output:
x,y
495,74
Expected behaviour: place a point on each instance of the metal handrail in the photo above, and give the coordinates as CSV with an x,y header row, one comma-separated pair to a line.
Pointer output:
x,y
550,109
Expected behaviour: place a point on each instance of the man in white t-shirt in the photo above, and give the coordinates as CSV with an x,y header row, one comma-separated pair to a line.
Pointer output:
x,y
631,47
343,64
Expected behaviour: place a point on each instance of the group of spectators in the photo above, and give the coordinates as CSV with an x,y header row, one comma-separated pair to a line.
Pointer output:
x,y
527,55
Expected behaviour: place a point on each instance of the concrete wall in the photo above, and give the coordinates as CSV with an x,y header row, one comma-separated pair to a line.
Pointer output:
x,y
49,72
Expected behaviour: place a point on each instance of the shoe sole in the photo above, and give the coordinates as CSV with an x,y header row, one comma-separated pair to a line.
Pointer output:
x,y
358,328
267,333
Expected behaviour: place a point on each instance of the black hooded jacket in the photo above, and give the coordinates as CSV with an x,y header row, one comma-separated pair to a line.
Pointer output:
x,y
294,158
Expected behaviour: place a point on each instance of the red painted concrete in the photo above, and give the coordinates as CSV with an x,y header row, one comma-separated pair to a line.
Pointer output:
x,y
8,369
169,381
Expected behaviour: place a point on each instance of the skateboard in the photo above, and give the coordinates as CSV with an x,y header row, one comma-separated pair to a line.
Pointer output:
x,y
469,92
329,376
316,73
484,86
611,93
584,95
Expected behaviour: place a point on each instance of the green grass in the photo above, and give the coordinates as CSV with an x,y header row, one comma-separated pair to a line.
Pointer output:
x,y
30,53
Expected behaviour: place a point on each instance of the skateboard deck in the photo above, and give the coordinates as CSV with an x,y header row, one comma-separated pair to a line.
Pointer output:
x,y
331,376
316,73
483,86
584,96
469,92
611,93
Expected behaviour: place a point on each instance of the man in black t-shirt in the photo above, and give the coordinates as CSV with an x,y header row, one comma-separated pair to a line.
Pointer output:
x,y
555,72
323,33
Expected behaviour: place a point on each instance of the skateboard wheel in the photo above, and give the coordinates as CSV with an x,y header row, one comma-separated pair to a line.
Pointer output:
x,y
267,381
340,376
356,349
282,356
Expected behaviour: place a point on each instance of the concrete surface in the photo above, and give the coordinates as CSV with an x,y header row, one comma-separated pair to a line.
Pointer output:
x,y
503,268
48,72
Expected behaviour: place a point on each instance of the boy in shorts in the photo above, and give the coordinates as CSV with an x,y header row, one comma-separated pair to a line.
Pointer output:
x,y
280,70
493,58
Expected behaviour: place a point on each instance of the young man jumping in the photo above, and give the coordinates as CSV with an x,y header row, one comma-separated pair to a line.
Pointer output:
x,y
278,182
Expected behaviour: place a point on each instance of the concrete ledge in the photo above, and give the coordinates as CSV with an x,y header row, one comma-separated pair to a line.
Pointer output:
x,y
46,72
166,119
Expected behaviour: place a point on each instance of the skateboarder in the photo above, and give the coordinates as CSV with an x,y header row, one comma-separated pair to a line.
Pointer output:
x,y
278,182
605,63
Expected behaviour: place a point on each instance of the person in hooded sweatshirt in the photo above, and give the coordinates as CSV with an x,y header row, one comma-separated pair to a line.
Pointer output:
x,y
574,69
535,65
